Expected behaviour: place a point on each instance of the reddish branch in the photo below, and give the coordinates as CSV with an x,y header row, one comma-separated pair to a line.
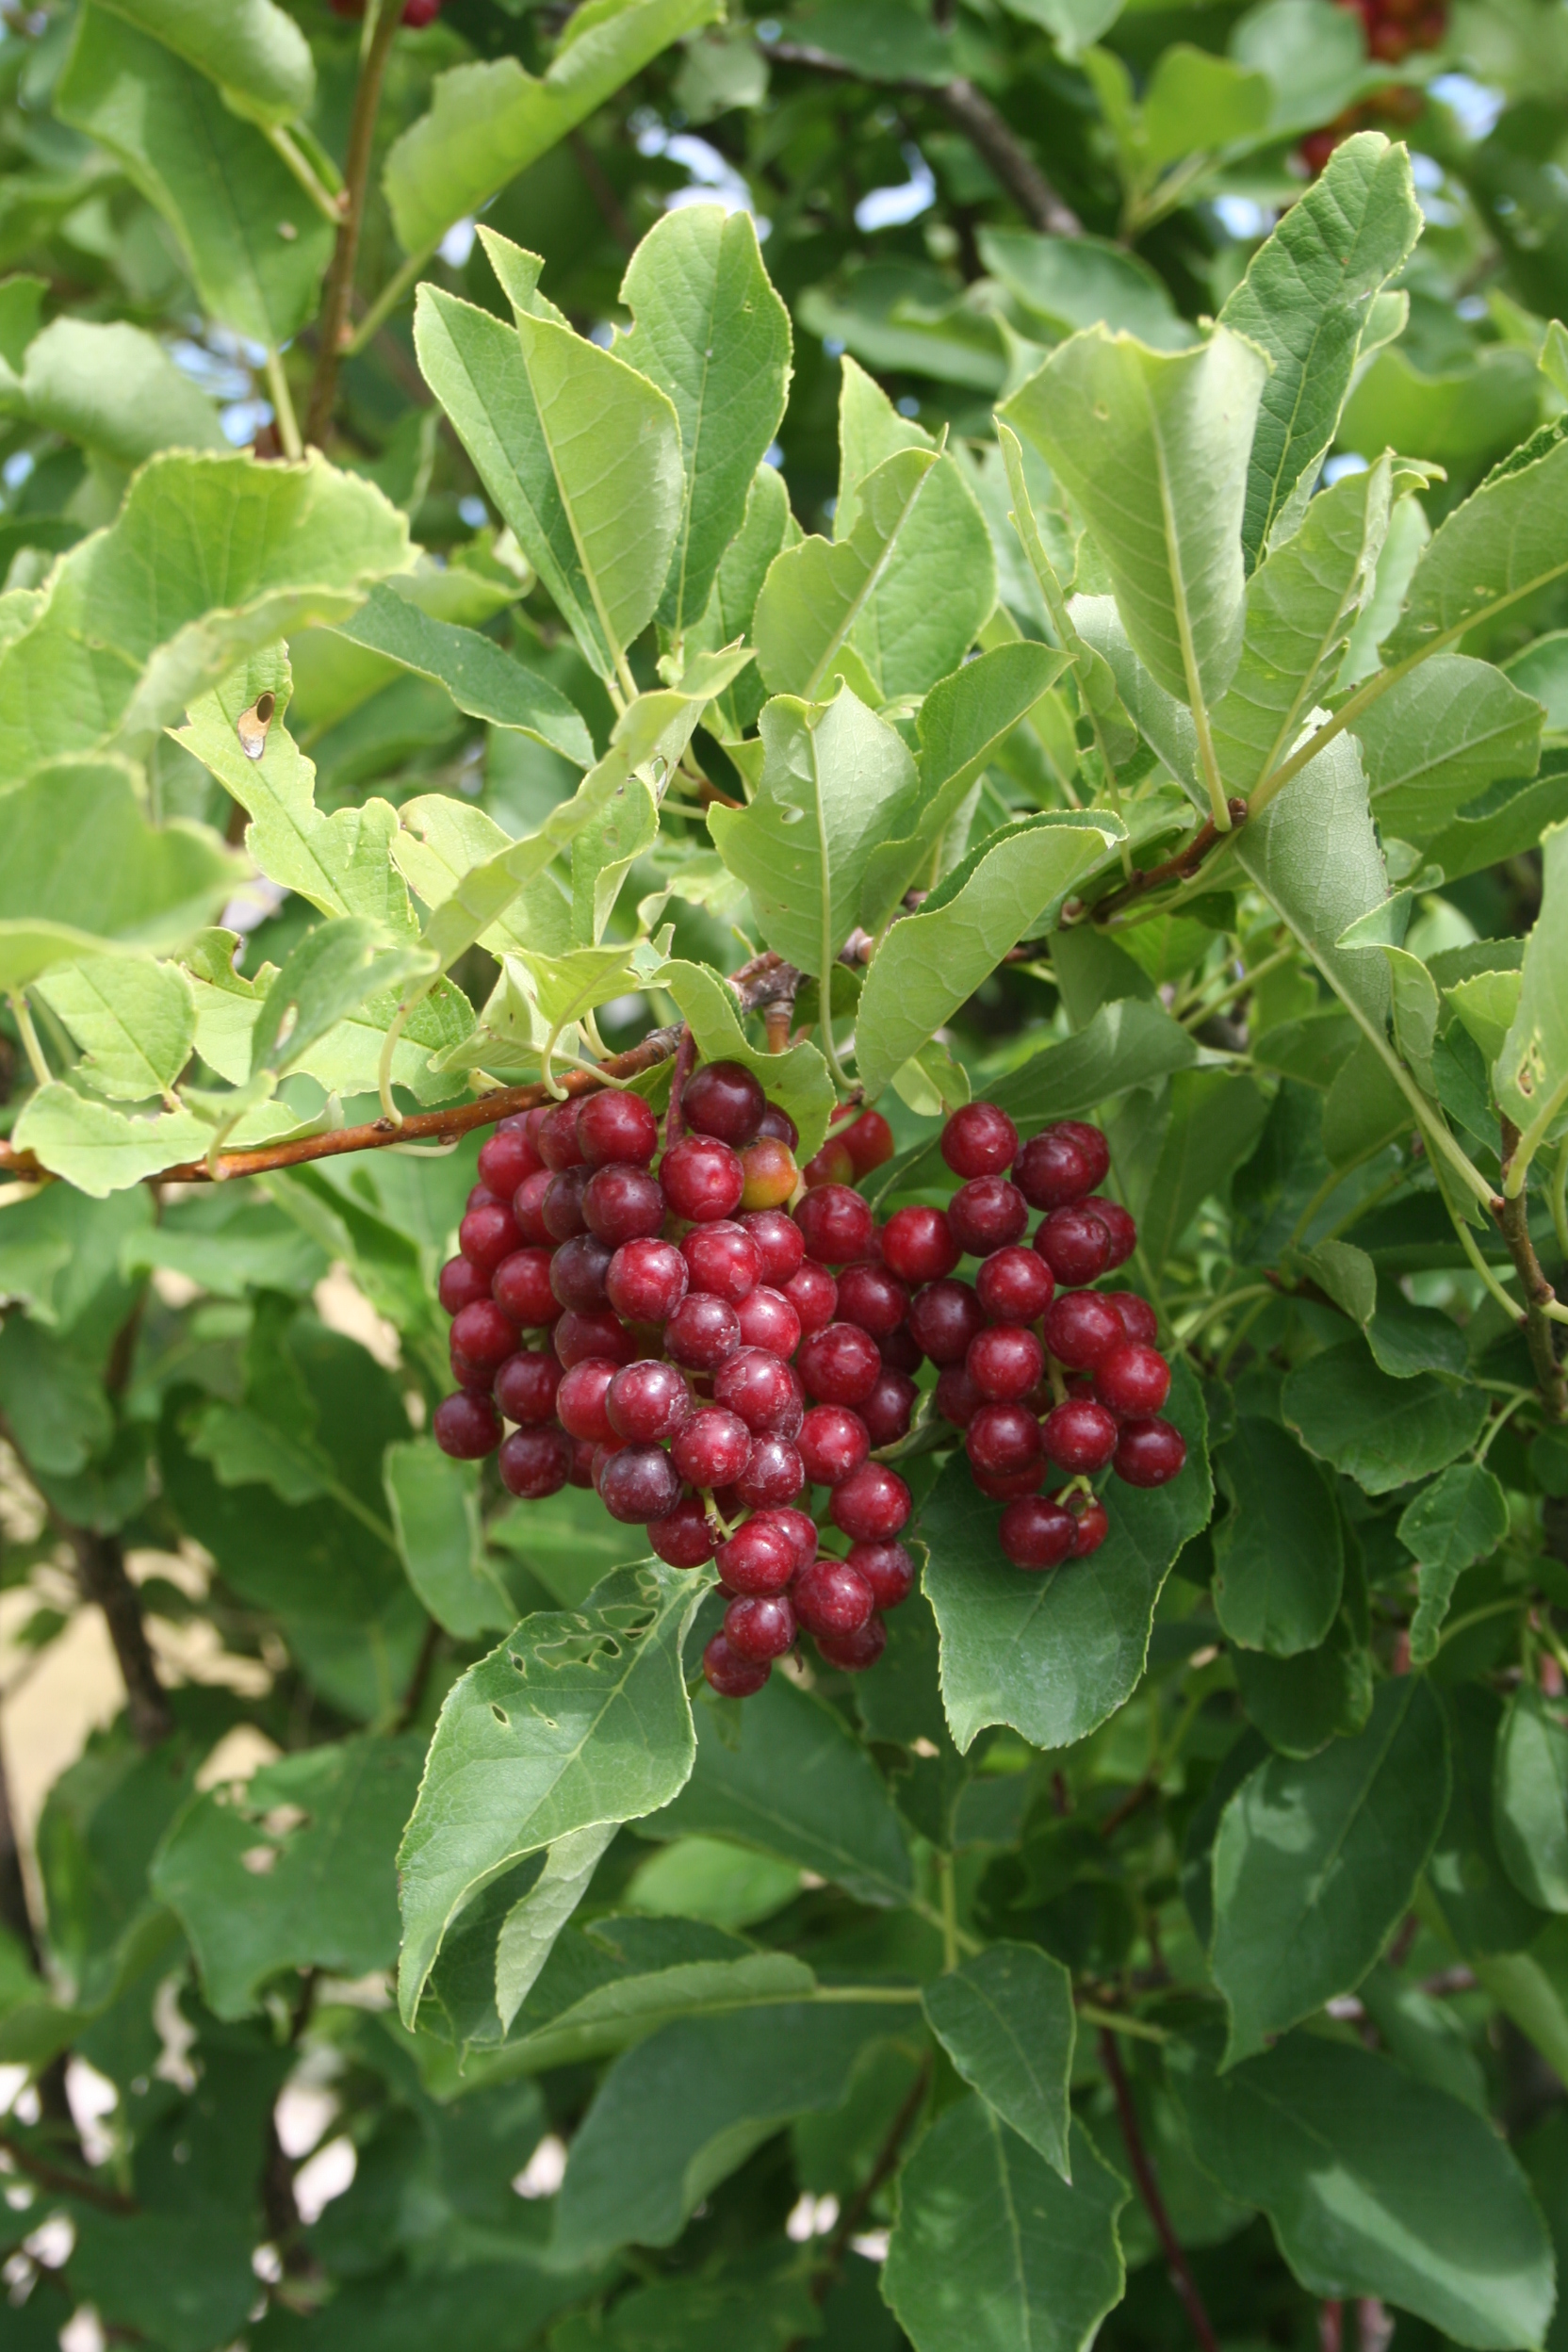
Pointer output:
x,y
101,1573
1513,1220
340,287
1181,867
1148,2189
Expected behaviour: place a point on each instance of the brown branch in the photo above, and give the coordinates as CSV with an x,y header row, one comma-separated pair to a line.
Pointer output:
x,y
334,326
685,1062
1181,867
61,2181
825,2276
100,1572
1148,2189
1513,1220
1132,1803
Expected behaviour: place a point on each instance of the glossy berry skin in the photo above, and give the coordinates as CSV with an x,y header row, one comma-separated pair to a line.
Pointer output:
x,y
1080,1436
770,1171
956,1398
943,1318
870,1505
917,1245
721,1261
622,1204
528,1207
1075,1244
506,1157
979,1140
1005,1362
1008,1486
761,1625
1093,1526
578,1336
582,1472
888,1569
1004,1438
1036,1533
484,1335
761,1390
466,1375
1015,1286
781,1244
986,1214
832,1165
684,1540
773,1475
616,1130
1133,1380
1138,1319
1050,1172
839,1365
703,1179
776,1121
478,1197
1091,1144
837,1224
853,1652
797,1527
461,1282
466,1426
535,1463
646,1281
638,1483
1082,1328
418,14
561,1212
580,1405
831,1597
726,1100
522,1286
555,1138
757,1558
870,1296
526,1386
487,1234
832,1442
888,1410
713,1449
1120,1227
577,1271
647,1401
869,1141
901,1351
730,1674
768,1320
814,1295
1150,1453
702,1332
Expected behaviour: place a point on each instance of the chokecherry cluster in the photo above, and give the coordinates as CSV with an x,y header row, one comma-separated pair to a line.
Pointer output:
x,y
1393,29
699,1356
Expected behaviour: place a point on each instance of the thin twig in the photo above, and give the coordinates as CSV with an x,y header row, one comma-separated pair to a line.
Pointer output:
x,y
1181,867
417,1680
825,2276
1148,2189
61,2181
356,179
1513,1220
100,1572
685,1062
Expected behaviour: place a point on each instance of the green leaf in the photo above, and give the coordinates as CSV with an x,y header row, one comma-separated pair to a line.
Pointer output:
x,y
1280,1553
1530,1074
677,2114
254,1900
932,962
254,51
1196,100
215,178
1440,737
1503,544
766,527
1480,1907
1215,1118
489,122
581,454
1462,1517
331,974
1067,282
1006,2018
53,1400
115,390
1315,63
580,1718
1314,851
481,677
1054,1655
1337,2146
100,1151
1299,1704
796,1784
816,595
1529,1799
433,1505
440,840
713,334
836,782
1149,444
1316,1860
797,1080
1305,300
1486,1003
992,2248
134,1020
1378,1430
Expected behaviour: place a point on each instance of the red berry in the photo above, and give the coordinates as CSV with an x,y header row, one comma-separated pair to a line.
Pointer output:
x,y
1317,148
622,1204
956,1398
1138,1319
776,1121
1015,1286
1092,1143
761,1625
418,14
1008,1486
535,1463
1075,1244
1052,1168
1092,1529
1134,1380
580,1405
986,1214
466,1426
1122,1231
781,1244
1005,1362
581,1471
703,1179
461,1282
1004,1438
487,1234
1082,1328
873,1299
762,1390
638,1483
773,1475
466,1375
506,1157
900,1350
614,1128
526,1386
870,1505
1150,1453
730,1674
758,1557
888,1569
814,1295
713,1449
839,1365
522,1286
770,1173
917,1245
528,1207
888,1410
684,1540
979,1140
869,1141
836,1223
645,1280
1036,1532
578,1272
768,1320
832,1442
562,1212
647,1401
554,1136
832,1165
723,1261
485,1333
854,1652
723,1099
831,1597
943,1318
1080,1436
578,1336
798,1528
702,1332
